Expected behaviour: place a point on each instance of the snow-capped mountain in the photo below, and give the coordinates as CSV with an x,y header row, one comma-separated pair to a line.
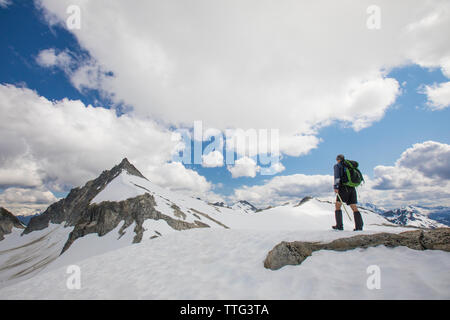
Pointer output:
x,y
412,216
184,246
244,206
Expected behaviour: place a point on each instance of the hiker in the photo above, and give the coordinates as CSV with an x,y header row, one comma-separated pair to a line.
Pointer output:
x,y
347,194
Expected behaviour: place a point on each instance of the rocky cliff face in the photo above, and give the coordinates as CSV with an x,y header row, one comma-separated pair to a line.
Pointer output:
x,y
70,209
294,253
104,217
7,222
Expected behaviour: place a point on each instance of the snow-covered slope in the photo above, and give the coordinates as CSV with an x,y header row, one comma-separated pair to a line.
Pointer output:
x,y
21,257
228,264
188,248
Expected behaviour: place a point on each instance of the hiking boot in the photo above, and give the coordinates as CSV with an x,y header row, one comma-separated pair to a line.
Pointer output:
x,y
339,224
358,221
357,229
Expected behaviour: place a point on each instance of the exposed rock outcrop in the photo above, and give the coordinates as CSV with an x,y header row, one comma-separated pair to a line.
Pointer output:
x,y
70,208
294,253
7,222
104,217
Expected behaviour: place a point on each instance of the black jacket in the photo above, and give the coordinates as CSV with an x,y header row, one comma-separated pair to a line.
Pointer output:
x,y
338,175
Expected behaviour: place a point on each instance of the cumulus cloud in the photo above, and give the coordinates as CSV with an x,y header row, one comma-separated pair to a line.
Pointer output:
x,y
60,140
82,73
213,159
277,66
26,201
420,175
286,188
30,196
438,95
50,58
430,157
244,167
274,168
176,177
61,144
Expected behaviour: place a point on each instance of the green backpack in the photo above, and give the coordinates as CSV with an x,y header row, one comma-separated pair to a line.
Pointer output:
x,y
352,176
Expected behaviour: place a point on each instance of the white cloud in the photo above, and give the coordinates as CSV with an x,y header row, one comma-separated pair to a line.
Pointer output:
x,y
244,167
368,101
18,169
438,95
50,58
22,201
65,143
176,177
5,3
430,158
83,74
297,145
404,189
274,168
420,175
286,65
213,159
286,188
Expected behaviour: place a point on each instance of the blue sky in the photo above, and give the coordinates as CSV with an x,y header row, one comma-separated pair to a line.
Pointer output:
x,y
407,121
21,42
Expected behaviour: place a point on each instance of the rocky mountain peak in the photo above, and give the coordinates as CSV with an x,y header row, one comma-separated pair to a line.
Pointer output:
x,y
70,209
128,167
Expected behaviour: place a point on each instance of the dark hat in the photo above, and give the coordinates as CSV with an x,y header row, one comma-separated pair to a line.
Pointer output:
x,y
340,157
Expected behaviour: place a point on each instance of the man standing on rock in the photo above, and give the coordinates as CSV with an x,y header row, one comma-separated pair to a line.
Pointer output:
x,y
347,194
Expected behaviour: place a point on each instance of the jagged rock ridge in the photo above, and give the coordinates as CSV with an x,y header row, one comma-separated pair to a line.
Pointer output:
x,y
70,208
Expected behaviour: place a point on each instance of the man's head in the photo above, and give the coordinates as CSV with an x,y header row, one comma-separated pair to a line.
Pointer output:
x,y
340,157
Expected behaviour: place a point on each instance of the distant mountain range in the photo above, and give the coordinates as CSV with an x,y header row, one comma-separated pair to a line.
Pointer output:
x,y
414,216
